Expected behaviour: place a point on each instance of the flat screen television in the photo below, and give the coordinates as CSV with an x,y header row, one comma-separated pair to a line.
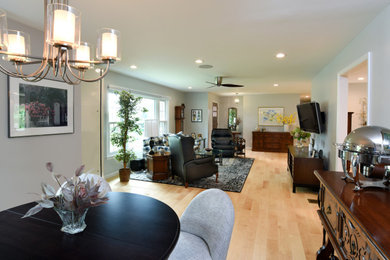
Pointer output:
x,y
311,119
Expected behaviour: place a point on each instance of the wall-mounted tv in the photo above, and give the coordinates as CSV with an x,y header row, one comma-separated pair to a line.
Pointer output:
x,y
311,119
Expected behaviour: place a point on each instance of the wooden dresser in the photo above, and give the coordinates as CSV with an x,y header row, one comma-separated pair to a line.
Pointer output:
x,y
356,224
301,166
271,141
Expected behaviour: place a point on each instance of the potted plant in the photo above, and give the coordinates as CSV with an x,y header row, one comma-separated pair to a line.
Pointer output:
x,y
121,133
300,135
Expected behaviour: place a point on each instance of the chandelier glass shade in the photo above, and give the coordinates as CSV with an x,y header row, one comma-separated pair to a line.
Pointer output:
x,y
63,52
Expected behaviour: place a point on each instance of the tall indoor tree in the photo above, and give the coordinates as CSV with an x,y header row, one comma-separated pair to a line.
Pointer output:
x,y
121,134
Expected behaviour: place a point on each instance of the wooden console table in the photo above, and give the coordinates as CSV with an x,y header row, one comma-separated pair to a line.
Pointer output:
x,y
158,167
302,166
356,224
271,141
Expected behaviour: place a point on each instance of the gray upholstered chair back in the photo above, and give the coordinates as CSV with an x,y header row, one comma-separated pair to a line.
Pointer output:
x,y
210,215
182,151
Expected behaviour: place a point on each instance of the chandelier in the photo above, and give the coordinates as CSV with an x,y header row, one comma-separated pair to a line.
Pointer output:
x,y
63,52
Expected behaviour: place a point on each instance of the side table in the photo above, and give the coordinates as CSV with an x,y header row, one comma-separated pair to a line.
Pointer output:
x,y
158,167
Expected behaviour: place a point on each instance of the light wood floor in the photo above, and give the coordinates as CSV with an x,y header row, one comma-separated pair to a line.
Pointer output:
x,y
270,221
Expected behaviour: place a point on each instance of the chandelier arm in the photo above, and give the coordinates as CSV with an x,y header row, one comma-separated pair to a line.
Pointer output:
x,y
90,80
72,82
55,67
66,80
19,70
11,74
38,77
60,63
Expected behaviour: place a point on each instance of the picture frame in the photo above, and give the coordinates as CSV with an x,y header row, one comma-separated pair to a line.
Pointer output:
x,y
196,115
39,108
267,116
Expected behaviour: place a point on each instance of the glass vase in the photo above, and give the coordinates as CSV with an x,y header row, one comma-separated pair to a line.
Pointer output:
x,y
72,220
299,143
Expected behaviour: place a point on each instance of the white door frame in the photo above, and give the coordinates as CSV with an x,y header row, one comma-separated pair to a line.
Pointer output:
x,y
342,97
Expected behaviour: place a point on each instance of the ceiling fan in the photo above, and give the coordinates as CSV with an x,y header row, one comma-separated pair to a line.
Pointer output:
x,y
218,83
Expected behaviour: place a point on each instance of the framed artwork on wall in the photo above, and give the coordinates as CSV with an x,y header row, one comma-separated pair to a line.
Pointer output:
x,y
39,108
267,116
196,115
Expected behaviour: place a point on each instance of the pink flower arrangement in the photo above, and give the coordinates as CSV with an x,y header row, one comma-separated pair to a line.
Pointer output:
x,y
36,109
75,194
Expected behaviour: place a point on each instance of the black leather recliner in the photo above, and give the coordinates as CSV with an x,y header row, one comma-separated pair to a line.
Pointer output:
x,y
222,140
184,163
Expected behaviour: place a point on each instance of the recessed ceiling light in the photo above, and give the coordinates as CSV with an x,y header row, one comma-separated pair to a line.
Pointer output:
x,y
133,67
189,87
307,96
360,78
280,55
199,61
276,85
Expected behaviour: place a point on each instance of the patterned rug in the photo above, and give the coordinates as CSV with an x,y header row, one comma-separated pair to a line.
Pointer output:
x,y
232,176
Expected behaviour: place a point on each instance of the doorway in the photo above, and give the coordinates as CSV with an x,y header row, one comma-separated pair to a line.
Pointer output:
x,y
215,115
353,90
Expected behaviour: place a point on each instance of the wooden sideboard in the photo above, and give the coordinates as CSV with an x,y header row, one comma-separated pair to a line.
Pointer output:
x,y
301,166
356,224
271,141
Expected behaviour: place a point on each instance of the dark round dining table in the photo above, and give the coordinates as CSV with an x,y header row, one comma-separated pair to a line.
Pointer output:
x,y
129,226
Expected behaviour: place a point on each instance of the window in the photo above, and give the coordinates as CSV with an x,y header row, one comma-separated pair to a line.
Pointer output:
x,y
157,110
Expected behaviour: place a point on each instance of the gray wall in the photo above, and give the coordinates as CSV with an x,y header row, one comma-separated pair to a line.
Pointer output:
x,y
375,38
22,160
196,101
251,104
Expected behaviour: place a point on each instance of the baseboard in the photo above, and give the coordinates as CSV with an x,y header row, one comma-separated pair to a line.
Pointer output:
x,y
110,175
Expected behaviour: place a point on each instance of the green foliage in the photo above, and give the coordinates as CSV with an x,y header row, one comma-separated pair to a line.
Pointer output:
x,y
298,134
129,124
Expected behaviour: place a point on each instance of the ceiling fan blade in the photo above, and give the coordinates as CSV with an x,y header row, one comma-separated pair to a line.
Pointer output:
x,y
232,85
211,83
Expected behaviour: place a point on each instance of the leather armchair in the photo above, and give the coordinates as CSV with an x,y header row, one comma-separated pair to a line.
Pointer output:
x,y
222,139
184,163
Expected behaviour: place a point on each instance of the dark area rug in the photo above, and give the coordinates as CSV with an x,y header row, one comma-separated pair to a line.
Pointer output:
x,y
232,176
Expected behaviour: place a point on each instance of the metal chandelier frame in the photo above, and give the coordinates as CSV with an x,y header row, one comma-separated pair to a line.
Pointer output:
x,y
60,63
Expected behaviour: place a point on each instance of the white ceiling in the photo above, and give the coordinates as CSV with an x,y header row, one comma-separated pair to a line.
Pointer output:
x,y
239,38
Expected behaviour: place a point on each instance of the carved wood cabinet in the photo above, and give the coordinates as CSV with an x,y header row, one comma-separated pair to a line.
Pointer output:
x,y
356,224
271,141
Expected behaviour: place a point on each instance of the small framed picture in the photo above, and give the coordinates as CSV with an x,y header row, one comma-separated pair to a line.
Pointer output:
x,y
39,108
196,115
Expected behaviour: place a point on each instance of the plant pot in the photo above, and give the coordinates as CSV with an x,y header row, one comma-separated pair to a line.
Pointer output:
x,y
124,174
